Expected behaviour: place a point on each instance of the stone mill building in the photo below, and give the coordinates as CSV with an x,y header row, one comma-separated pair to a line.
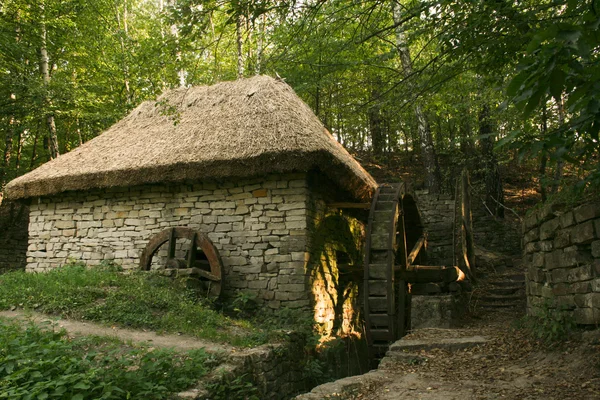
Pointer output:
x,y
245,162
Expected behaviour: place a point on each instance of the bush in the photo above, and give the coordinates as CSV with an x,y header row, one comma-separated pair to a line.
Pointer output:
x,y
137,300
550,324
41,364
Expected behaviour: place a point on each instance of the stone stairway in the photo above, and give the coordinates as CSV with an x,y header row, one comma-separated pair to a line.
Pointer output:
x,y
501,291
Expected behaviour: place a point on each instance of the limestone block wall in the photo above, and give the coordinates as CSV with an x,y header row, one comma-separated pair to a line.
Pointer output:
x,y
14,219
259,227
562,252
437,214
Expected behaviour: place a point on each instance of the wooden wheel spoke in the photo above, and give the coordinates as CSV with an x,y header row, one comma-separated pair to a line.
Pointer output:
x,y
191,259
172,245
206,272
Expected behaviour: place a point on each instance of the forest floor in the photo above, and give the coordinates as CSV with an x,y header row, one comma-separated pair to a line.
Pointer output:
x,y
512,364
509,366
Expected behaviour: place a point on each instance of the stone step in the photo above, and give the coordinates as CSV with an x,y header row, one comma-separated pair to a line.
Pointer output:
x,y
505,290
516,277
507,283
501,298
502,305
403,346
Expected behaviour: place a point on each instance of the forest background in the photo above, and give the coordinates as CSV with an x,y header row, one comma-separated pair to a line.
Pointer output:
x,y
477,84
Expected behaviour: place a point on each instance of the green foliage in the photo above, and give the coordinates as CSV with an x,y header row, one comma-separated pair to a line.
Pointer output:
x,y
239,388
138,300
41,364
550,324
244,303
562,63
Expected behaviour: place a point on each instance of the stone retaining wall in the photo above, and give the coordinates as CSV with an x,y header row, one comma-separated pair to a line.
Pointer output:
x,y
498,235
259,227
562,252
14,219
437,214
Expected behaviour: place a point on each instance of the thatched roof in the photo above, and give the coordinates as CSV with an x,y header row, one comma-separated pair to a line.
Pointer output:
x,y
249,127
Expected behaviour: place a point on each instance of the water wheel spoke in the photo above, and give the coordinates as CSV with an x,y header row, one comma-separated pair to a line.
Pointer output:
x,y
207,269
191,255
172,245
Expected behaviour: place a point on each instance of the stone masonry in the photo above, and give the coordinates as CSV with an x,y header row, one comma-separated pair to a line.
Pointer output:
x,y
14,219
437,214
259,227
562,252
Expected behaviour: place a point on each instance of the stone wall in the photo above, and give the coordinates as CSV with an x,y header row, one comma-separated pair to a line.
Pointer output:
x,y
14,219
498,235
437,214
259,227
562,252
278,371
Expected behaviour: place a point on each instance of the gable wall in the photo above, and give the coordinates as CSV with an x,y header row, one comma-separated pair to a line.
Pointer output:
x,y
259,227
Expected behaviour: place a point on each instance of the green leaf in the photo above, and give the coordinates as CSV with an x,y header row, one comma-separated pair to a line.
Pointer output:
x,y
515,84
82,386
557,82
534,102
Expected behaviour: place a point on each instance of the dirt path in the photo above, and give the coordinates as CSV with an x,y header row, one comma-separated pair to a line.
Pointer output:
x,y
509,366
77,328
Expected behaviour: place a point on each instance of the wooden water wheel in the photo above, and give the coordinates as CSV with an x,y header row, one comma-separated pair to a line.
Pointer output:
x,y
202,261
394,245
386,301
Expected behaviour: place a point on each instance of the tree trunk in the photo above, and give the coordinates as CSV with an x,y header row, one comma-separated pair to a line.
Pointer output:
x,y
559,163
45,72
8,145
259,44
430,162
375,122
494,194
122,22
239,23
544,156
20,142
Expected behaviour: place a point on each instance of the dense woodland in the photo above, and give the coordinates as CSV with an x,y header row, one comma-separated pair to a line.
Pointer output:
x,y
475,83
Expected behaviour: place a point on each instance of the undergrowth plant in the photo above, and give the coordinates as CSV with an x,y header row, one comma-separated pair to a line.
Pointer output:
x,y
137,300
549,324
38,363
240,388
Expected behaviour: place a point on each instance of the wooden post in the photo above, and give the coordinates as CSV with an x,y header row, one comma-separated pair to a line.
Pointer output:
x,y
468,247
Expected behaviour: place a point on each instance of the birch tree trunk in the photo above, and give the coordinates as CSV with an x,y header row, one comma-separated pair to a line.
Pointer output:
x,y
122,22
259,44
239,23
428,155
45,72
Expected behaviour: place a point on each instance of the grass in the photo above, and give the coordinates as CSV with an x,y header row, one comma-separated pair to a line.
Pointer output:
x,y
40,363
136,300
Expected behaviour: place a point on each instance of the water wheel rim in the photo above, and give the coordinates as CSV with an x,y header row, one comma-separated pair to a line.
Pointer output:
x,y
202,243
395,251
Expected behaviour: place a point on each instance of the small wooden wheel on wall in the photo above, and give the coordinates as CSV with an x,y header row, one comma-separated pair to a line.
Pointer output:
x,y
201,263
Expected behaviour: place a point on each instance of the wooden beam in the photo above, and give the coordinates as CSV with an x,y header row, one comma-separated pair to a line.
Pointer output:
x,y
425,273
415,251
363,206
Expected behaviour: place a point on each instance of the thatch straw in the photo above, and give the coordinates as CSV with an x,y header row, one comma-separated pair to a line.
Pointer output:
x,y
249,127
